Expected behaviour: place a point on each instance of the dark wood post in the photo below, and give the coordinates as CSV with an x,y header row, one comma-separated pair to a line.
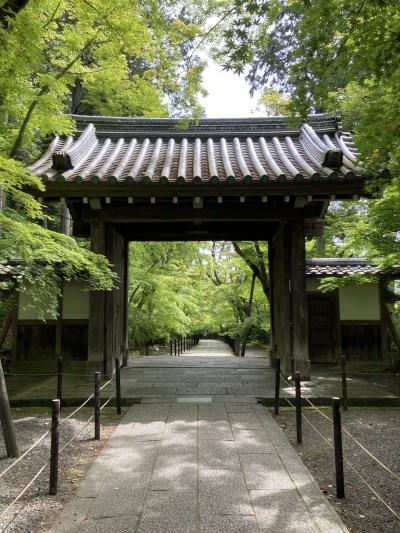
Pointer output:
x,y
54,446
277,383
298,300
6,418
299,432
118,385
60,369
96,332
337,437
344,381
97,405
125,310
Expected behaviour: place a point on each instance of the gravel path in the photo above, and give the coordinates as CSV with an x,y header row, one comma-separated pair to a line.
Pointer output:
x,y
36,510
378,430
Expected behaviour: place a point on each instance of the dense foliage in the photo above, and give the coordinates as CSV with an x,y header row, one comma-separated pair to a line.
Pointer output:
x,y
87,56
330,55
191,288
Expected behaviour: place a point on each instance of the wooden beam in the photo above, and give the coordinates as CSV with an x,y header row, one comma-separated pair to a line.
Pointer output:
x,y
345,188
212,212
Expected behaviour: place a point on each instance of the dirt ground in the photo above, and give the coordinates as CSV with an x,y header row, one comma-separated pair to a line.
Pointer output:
x,y
378,430
36,511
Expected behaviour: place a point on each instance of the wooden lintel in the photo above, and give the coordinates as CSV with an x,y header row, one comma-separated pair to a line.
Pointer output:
x,y
216,212
326,189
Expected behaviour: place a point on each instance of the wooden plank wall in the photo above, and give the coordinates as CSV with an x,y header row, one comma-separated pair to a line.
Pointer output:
x,y
289,297
108,309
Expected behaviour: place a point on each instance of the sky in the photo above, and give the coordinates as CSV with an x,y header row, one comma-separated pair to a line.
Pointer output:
x,y
228,94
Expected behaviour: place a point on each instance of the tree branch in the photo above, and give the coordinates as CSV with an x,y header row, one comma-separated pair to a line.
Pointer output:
x,y
45,90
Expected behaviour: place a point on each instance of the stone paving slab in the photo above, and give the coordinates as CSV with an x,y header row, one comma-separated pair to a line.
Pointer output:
x,y
197,462
200,474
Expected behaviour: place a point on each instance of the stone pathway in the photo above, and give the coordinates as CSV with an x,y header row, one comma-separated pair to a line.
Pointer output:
x,y
198,466
211,370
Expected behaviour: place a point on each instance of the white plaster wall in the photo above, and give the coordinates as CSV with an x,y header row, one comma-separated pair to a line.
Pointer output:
x,y
312,284
29,310
75,301
359,302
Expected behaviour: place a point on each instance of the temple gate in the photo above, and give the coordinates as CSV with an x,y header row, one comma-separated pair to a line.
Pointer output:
x,y
124,179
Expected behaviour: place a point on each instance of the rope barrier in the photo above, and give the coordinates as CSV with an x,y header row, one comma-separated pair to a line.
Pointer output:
x,y
24,454
76,410
350,465
74,437
107,402
77,434
346,432
48,432
23,490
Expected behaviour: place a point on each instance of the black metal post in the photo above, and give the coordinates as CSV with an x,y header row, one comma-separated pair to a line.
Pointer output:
x,y
60,369
170,347
337,438
97,405
174,346
54,446
344,381
118,385
299,432
277,383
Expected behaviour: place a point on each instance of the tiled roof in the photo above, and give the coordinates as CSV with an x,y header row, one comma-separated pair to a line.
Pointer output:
x,y
325,267
266,150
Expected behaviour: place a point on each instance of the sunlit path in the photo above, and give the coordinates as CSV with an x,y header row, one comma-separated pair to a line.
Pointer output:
x,y
175,468
209,348
198,455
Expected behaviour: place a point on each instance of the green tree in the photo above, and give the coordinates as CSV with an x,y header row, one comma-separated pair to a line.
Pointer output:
x,y
330,55
130,58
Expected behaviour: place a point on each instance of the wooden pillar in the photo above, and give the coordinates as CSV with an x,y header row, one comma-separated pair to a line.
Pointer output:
x,y
114,301
279,267
271,301
289,300
65,220
383,349
125,314
298,296
96,334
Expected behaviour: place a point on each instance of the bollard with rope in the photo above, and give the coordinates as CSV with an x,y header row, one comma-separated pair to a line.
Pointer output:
x,y
54,446
344,381
277,383
337,439
118,385
97,405
299,431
